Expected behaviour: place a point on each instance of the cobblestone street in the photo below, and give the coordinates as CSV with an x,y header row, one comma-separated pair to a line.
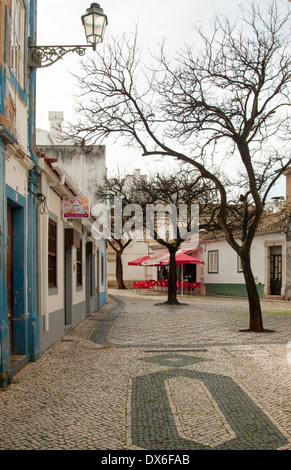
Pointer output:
x,y
139,375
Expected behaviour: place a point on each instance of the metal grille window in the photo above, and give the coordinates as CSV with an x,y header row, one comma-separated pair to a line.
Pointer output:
x,y
79,264
52,254
17,42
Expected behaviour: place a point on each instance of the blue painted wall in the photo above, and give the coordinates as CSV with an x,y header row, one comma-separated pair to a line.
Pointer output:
x,y
2,89
26,321
33,319
19,203
4,343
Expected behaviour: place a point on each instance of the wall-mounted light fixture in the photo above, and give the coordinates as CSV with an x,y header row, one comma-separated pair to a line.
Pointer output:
x,y
94,22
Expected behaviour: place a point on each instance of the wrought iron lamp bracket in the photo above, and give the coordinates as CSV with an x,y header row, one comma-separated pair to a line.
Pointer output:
x,y
44,56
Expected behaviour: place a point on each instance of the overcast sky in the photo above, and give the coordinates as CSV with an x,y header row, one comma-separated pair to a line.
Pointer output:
x,y
59,23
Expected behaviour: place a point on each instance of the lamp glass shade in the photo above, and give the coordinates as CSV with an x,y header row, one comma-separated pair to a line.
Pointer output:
x,y
94,22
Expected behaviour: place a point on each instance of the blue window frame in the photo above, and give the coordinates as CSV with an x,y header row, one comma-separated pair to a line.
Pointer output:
x,y
17,47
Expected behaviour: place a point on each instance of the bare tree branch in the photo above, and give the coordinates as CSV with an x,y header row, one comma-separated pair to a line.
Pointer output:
x,y
224,105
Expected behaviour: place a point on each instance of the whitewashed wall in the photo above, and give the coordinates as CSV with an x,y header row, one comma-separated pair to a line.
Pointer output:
x,y
228,261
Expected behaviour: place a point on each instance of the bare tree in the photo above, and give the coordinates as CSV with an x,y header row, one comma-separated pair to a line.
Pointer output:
x,y
221,106
164,204
106,192
177,193
119,246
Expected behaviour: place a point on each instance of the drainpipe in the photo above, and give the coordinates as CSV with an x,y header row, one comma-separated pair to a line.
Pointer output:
x,y
38,254
56,166
45,225
65,178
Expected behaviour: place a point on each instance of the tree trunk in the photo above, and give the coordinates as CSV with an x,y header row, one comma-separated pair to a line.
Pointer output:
x,y
172,279
255,312
119,272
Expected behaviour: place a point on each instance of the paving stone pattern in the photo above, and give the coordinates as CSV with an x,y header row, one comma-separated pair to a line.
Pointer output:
x,y
138,374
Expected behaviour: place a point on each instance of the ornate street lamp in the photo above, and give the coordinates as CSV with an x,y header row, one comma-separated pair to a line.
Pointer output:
x,y
94,22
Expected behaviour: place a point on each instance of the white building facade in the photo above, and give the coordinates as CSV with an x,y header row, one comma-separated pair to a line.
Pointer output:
x,y
222,273
74,262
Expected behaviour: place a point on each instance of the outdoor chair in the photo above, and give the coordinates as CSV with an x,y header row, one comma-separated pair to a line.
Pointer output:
x,y
154,282
165,285
146,286
160,284
136,286
182,285
193,286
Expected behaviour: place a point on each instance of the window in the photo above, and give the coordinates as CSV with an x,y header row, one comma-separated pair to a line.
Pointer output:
x,y
213,261
80,264
17,42
239,265
52,254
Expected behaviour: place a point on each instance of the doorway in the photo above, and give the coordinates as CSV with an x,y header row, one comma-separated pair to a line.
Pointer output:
x,y
89,277
275,270
68,293
10,276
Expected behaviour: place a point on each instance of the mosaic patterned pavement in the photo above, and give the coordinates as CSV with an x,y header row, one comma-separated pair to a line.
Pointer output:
x,y
138,375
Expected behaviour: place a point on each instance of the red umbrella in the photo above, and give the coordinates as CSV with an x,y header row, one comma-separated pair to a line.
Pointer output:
x,y
183,259
138,261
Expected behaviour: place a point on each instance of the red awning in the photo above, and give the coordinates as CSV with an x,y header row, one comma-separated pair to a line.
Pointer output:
x,y
164,260
158,259
138,261
183,259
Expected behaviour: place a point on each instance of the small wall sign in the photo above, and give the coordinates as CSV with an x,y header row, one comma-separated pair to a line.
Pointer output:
x,y
76,207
